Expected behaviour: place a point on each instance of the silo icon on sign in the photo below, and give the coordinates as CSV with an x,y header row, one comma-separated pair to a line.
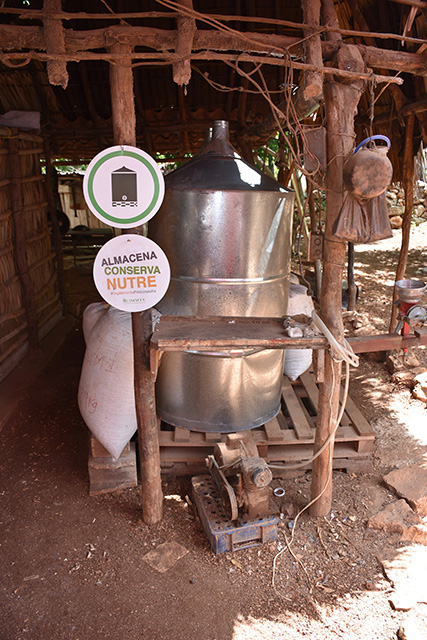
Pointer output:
x,y
123,187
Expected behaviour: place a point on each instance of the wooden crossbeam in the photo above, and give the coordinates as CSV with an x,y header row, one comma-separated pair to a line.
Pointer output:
x,y
207,45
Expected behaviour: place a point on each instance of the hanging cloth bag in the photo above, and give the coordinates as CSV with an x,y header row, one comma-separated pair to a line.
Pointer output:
x,y
367,174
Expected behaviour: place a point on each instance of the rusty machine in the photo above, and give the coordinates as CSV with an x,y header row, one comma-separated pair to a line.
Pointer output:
x,y
242,478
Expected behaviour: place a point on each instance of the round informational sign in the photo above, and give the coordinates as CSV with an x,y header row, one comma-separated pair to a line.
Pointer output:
x,y
123,186
131,272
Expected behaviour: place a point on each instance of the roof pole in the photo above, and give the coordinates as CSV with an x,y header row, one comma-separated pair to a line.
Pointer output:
x,y
341,99
124,128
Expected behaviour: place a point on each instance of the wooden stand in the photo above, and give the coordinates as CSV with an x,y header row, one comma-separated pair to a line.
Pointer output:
x,y
183,333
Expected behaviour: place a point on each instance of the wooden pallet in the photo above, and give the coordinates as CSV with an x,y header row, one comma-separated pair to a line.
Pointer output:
x,y
288,438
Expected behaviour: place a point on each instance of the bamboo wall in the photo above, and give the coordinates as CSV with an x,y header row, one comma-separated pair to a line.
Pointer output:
x,y
73,204
29,297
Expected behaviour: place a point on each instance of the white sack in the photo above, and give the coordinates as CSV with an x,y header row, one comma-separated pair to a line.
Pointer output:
x,y
106,390
297,361
91,314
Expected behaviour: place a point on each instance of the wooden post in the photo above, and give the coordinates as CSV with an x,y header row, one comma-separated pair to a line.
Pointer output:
x,y
122,97
408,186
341,101
313,81
124,127
148,435
352,288
20,245
184,44
55,43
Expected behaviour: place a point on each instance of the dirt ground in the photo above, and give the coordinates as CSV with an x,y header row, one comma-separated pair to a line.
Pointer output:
x,y
73,566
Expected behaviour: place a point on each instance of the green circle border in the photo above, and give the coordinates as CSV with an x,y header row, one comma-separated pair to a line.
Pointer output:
x,y
106,215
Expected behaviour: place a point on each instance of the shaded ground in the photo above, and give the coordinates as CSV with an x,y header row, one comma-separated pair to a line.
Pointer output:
x,y
73,566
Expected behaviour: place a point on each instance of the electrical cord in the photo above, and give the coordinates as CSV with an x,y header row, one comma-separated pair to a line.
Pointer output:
x,y
339,353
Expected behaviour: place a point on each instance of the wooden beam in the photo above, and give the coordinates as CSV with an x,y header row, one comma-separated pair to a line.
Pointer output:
x,y
183,118
184,45
183,333
313,80
396,92
414,107
206,43
329,19
412,3
55,44
29,14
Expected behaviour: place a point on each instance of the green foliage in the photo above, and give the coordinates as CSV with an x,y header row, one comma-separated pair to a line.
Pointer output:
x,y
265,157
168,161
63,167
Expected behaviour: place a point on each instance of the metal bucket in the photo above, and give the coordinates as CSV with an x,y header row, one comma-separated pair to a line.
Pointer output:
x,y
410,291
226,229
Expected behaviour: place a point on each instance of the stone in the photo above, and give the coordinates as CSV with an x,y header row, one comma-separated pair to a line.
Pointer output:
x,y
421,379
289,509
410,361
367,330
416,533
165,556
399,361
396,222
391,197
419,393
406,377
360,320
394,363
410,483
397,517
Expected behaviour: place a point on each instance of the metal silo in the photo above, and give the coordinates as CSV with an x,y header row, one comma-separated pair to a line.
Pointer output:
x,y
226,229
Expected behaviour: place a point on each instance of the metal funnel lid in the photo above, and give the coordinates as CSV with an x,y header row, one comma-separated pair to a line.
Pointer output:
x,y
219,167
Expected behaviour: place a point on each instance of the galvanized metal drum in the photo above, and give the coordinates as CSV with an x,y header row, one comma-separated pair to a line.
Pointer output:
x,y
226,229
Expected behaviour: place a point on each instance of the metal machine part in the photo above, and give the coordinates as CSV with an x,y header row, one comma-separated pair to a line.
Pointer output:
x,y
242,478
226,229
409,293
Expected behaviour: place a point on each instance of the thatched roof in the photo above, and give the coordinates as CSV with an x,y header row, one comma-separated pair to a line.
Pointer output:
x,y
244,56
